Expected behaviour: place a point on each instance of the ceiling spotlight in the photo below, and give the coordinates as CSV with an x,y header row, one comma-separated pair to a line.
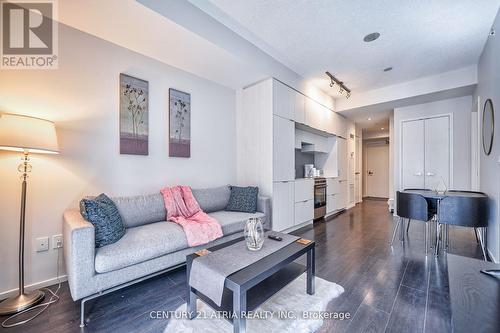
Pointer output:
x,y
382,128
342,86
371,37
369,118
387,69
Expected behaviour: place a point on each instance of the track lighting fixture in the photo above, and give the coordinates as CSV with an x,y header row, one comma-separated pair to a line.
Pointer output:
x,y
342,87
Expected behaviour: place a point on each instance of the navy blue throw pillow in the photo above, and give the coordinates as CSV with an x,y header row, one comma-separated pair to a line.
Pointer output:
x,y
103,214
243,199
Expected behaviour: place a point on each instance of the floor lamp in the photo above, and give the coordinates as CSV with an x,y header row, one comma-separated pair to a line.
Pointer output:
x,y
27,135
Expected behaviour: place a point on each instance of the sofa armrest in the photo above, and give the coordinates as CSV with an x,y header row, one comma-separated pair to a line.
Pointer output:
x,y
79,251
264,206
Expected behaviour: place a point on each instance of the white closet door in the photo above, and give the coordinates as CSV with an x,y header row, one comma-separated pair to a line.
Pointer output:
x,y
412,154
437,153
283,149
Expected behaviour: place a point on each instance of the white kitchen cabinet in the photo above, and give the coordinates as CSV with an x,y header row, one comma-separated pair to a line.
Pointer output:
x,y
283,100
314,114
332,186
312,142
283,205
331,203
299,107
340,125
342,158
304,211
283,149
304,189
342,196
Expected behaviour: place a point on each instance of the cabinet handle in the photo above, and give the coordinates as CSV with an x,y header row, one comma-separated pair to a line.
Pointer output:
x,y
431,174
417,174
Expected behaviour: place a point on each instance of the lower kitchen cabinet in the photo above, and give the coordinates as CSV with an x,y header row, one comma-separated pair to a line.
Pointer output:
x,y
304,211
331,203
283,205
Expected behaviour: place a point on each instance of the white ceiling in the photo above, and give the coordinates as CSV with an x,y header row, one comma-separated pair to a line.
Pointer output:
x,y
418,38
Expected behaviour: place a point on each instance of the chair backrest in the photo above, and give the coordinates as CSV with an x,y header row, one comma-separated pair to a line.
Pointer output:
x,y
431,204
416,189
464,211
412,206
463,191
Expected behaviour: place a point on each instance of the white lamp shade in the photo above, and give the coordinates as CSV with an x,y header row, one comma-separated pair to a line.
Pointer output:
x,y
20,133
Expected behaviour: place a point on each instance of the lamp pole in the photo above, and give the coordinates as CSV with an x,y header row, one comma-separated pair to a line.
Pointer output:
x,y
23,300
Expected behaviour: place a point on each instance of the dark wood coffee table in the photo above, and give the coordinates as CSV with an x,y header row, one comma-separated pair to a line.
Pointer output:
x,y
248,288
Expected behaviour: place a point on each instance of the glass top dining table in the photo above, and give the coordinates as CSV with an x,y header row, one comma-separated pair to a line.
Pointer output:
x,y
434,198
435,195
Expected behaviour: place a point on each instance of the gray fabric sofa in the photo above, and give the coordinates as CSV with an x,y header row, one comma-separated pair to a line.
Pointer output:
x,y
150,243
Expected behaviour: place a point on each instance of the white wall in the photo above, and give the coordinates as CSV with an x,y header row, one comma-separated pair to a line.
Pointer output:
x,y
392,194
460,108
488,87
82,98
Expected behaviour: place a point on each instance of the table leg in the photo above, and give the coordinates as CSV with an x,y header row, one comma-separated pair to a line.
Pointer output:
x,y
426,228
239,309
438,233
311,271
191,304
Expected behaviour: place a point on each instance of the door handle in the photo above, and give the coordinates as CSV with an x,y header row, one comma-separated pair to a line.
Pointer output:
x,y
430,174
417,174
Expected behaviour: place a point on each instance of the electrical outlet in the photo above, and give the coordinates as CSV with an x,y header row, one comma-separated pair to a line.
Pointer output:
x,y
57,241
42,244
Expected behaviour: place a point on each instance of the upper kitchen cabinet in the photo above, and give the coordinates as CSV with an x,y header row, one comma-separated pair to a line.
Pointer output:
x,y
340,125
283,100
300,107
314,114
283,149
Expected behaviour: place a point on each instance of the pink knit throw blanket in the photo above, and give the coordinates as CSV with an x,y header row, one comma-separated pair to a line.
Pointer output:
x,y
183,209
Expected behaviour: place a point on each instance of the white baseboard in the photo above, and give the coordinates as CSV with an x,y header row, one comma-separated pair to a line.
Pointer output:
x,y
495,260
296,227
37,285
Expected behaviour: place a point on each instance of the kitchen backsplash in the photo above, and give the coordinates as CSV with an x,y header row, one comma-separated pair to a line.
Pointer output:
x,y
300,160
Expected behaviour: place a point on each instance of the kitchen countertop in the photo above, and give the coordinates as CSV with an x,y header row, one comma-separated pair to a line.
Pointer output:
x,y
304,178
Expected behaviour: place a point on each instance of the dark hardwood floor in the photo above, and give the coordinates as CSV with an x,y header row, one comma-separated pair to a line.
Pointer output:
x,y
387,289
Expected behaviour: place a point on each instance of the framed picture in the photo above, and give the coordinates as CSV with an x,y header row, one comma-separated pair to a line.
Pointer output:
x,y
134,114
179,124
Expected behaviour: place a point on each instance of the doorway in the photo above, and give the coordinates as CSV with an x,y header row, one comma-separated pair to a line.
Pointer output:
x,y
377,170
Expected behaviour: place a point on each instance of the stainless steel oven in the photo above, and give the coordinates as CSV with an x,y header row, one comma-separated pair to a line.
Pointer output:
x,y
319,197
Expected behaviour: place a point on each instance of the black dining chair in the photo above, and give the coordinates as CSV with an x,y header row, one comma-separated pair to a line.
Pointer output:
x,y
431,204
411,206
477,231
464,211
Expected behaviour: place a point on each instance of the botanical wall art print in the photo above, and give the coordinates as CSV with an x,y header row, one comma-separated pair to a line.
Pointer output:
x,y
134,113
179,124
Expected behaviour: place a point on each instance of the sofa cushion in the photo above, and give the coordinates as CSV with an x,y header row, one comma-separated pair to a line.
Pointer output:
x,y
232,222
139,244
157,239
212,199
141,209
243,199
103,214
